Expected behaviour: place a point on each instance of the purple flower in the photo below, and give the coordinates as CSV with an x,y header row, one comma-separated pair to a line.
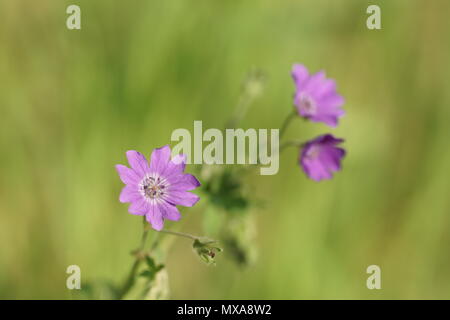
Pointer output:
x,y
320,157
155,189
316,97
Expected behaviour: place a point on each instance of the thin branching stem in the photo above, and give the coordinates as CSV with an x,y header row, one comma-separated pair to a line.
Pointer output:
x,y
181,234
291,143
286,122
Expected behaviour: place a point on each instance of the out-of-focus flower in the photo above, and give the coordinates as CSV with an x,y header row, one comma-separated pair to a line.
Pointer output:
x,y
320,157
155,189
316,98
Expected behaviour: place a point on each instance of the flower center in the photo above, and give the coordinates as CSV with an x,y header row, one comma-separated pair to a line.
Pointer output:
x,y
313,153
307,104
153,187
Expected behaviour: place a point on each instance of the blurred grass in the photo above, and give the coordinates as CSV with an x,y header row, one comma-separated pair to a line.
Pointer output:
x,y
72,102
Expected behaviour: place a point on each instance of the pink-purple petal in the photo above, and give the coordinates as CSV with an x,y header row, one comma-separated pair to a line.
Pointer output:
x,y
300,74
159,159
328,87
329,120
314,82
324,103
137,162
155,218
175,166
320,157
155,189
184,182
127,175
139,207
183,198
129,193
316,171
331,101
169,211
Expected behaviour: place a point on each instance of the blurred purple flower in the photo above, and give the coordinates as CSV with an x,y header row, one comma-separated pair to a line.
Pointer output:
x,y
320,157
316,97
155,189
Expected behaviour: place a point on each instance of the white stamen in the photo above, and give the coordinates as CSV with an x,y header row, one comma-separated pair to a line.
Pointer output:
x,y
154,188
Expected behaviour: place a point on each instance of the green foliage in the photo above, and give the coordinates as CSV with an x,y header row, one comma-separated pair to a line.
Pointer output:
x,y
238,236
73,101
225,189
152,269
155,286
229,212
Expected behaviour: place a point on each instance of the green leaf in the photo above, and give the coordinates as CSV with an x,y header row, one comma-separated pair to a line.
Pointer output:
x,y
159,268
148,274
150,262
226,191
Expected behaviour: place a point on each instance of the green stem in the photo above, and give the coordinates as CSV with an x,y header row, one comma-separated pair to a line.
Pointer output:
x,y
139,257
286,122
251,89
291,143
181,234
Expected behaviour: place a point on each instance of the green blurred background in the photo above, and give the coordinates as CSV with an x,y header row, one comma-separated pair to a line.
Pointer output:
x,y
72,102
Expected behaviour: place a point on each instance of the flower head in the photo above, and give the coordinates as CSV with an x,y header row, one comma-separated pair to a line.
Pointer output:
x,y
155,189
316,97
320,157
